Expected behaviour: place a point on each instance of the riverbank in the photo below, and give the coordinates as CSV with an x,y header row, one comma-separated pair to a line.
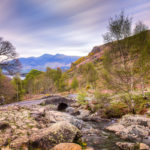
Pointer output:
x,y
38,125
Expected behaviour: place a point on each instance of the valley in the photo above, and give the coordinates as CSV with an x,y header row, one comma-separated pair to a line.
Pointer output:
x,y
100,101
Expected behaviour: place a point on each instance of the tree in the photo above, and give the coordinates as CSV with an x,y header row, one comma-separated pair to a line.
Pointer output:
x,y
74,84
6,88
31,81
140,27
17,82
120,61
8,61
89,72
141,47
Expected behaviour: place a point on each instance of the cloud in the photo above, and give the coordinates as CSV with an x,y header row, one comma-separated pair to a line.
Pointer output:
x,y
70,27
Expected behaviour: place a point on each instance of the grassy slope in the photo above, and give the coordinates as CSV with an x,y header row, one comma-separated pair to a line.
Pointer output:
x,y
95,57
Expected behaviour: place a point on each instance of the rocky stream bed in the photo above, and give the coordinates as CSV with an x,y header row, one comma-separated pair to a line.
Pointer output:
x,y
59,120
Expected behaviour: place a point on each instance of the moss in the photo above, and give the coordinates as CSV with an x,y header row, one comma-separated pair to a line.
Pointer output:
x,y
137,146
116,110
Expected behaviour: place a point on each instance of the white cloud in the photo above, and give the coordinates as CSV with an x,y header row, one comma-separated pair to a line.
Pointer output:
x,y
70,27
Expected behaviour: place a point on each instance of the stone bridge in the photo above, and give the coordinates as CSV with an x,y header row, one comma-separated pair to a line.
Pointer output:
x,y
61,102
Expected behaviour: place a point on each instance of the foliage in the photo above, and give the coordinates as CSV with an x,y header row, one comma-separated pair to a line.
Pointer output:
x,y
125,61
74,84
17,82
116,110
103,99
38,82
140,103
89,73
32,82
82,98
79,61
6,88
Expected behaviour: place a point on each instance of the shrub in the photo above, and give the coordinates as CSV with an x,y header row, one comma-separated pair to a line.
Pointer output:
x,y
140,104
102,99
116,110
82,98
74,84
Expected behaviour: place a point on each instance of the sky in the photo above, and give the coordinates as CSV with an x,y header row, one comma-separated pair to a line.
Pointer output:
x,y
70,27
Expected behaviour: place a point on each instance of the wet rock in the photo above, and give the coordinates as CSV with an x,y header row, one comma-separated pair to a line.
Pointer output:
x,y
89,148
73,111
67,146
83,114
75,105
126,145
56,116
116,128
134,128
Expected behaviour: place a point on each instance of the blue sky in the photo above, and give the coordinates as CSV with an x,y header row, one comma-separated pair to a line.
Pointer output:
x,y
70,27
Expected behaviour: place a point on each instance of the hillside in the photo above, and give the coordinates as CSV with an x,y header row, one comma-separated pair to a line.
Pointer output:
x,y
47,60
95,56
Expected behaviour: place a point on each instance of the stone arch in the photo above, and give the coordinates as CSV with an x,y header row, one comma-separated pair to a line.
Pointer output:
x,y
62,106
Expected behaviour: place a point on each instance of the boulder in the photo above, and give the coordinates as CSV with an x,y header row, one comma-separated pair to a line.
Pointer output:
x,y
36,126
116,128
126,145
67,146
47,138
56,116
83,114
89,148
132,127
144,146
73,111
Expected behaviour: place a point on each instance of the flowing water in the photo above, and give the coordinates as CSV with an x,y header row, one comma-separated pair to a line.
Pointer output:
x,y
103,140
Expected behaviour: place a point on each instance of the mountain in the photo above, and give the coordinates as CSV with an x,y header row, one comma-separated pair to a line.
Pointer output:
x,y
47,60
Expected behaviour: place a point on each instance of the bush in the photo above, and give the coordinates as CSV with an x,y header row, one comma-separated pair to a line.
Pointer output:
x,y
116,110
102,99
74,84
140,104
81,98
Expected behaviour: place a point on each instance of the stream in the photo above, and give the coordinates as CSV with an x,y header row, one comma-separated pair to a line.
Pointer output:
x,y
103,140
99,140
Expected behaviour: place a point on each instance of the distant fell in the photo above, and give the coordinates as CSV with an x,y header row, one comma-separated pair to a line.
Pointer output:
x,y
47,60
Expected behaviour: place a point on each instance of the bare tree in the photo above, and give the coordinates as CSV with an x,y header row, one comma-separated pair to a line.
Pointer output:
x,y
118,63
126,63
8,61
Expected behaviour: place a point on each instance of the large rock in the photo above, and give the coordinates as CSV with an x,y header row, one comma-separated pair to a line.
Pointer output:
x,y
47,138
67,146
132,146
73,111
24,127
56,116
126,145
133,127
144,146
83,114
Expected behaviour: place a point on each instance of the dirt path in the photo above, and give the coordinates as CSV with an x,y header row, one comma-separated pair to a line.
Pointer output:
x,y
25,103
